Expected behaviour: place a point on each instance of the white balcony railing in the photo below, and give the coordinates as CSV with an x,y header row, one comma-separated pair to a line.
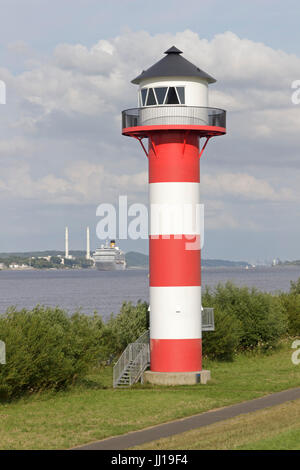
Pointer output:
x,y
173,115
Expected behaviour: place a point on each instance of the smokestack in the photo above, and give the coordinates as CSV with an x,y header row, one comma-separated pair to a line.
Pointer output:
x,y
67,243
88,254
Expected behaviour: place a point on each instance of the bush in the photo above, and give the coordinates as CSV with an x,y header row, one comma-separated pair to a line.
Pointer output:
x,y
223,342
127,326
291,305
45,348
262,317
295,287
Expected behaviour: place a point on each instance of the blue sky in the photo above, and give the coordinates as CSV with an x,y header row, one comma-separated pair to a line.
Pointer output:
x,y
44,23
67,66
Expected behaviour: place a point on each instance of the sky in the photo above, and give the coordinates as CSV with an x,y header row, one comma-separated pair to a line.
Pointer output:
x,y
67,66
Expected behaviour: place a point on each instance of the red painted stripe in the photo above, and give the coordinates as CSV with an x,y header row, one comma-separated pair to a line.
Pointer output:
x,y
176,355
203,131
174,157
174,262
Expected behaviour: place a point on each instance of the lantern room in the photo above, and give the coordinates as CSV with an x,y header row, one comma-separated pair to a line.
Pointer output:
x,y
174,91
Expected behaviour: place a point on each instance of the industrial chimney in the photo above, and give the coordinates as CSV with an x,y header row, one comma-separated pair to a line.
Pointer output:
x,y
88,250
67,243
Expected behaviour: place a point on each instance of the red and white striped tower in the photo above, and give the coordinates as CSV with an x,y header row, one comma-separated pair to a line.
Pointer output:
x,y
173,114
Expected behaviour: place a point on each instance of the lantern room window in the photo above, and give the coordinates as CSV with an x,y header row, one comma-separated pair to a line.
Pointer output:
x,y
181,94
162,96
172,97
143,96
151,101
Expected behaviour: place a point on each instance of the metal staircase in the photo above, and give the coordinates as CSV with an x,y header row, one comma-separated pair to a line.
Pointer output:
x,y
208,319
135,359
132,363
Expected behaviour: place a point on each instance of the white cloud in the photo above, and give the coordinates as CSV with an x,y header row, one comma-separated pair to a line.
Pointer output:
x,y
82,183
16,147
98,60
96,81
19,47
253,79
243,186
67,108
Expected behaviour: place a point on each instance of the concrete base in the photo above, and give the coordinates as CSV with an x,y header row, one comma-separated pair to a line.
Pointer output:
x,y
176,378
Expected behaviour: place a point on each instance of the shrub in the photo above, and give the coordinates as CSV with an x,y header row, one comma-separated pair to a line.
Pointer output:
x,y
223,342
127,326
261,315
46,348
291,305
295,287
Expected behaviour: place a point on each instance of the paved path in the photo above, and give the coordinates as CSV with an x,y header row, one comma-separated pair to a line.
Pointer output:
x,y
135,438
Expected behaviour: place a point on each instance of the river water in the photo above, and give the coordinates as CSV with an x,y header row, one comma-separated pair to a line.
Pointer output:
x,y
104,291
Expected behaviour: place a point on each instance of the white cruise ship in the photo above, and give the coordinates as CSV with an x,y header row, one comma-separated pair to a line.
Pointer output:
x,y
109,257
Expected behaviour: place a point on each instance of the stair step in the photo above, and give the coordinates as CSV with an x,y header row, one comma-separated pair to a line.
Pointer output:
x,y
134,368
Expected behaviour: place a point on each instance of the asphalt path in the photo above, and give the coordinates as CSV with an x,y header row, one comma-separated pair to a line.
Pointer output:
x,y
131,439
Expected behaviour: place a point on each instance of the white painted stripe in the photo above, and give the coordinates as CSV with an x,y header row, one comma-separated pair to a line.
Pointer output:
x,y
175,312
175,209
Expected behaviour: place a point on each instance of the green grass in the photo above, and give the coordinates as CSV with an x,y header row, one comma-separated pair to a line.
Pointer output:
x,y
92,410
288,440
272,428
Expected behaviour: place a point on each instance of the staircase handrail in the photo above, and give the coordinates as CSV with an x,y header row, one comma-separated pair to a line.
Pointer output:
x,y
138,353
130,354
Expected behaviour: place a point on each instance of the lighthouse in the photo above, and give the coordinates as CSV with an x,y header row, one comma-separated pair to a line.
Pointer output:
x,y
174,116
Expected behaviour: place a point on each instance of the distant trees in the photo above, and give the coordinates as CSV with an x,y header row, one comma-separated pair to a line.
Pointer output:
x,y
43,263
55,260
39,263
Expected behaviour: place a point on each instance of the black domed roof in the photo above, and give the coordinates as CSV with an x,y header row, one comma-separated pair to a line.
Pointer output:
x,y
173,65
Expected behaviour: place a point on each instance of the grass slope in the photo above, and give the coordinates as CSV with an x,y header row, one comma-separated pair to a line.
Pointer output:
x,y
93,410
274,428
